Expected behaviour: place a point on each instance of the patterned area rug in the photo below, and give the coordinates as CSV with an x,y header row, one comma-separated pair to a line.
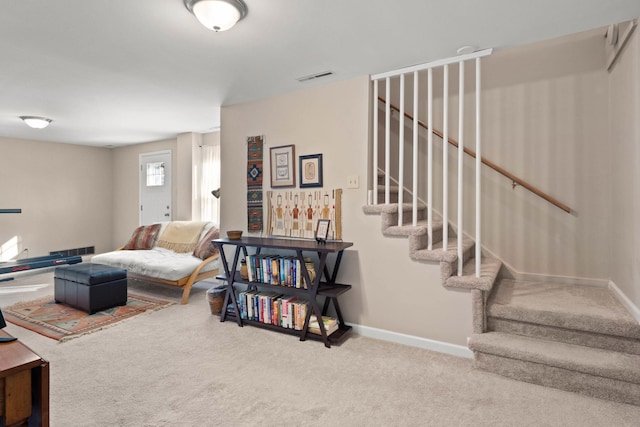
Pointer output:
x,y
62,323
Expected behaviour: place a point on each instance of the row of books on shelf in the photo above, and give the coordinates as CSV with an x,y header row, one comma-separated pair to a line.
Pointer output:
x,y
276,270
280,310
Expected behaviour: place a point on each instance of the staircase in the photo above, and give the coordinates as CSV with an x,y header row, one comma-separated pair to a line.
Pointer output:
x,y
572,337
448,259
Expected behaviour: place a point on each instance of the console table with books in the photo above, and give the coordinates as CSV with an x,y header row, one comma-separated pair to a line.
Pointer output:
x,y
282,292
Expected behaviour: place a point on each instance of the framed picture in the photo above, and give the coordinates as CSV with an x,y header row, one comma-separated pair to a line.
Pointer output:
x,y
311,171
283,167
322,230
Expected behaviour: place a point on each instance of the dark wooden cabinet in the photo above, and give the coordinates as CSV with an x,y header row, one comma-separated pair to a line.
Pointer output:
x,y
24,386
322,289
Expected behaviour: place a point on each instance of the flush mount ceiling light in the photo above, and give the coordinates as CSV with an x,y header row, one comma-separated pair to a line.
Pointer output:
x,y
36,122
217,15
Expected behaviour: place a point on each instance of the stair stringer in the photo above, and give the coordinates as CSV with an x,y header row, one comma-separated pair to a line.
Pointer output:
x,y
418,240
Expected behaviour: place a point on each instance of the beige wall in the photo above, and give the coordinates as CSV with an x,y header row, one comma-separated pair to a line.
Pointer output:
x,y
545,120
212,138
624,104
76,196
390,291
126,186
185,160
65,193
554,117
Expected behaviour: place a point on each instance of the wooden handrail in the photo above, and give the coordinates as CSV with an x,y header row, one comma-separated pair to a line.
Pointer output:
x,y
514,179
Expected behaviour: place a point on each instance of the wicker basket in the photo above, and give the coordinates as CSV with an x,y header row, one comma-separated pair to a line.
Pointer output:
x,y
215,296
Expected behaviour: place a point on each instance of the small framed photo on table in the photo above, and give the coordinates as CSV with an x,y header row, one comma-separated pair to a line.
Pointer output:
x,y
322,230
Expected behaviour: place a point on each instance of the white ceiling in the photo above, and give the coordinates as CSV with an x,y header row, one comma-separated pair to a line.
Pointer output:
x,y
118,72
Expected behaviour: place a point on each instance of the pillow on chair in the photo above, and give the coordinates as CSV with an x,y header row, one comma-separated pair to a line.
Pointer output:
x,y
144,237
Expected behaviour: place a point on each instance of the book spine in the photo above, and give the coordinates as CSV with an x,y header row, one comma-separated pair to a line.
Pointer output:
x,y
282,272
240,309
256,308
248,305
256,270
274,311
249,268
275,273
289,272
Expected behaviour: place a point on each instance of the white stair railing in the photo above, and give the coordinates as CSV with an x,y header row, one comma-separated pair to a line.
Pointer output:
x,y
446,190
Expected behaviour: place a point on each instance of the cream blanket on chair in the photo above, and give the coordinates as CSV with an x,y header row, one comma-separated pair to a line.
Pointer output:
x,y
181,236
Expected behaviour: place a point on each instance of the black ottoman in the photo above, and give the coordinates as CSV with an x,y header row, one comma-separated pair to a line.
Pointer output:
x,y
90,287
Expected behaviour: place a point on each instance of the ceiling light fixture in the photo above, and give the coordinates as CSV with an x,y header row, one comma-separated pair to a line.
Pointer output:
x,y
36,122
217,15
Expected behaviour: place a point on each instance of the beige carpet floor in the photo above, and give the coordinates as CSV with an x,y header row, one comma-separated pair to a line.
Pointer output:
x,y
181,367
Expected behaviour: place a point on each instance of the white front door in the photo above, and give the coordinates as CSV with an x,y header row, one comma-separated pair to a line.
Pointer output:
x,y
155,187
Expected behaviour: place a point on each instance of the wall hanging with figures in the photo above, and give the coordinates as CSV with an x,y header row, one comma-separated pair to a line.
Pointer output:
x,y
295,213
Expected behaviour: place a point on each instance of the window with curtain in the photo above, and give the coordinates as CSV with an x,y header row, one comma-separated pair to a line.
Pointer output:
x,y
210,206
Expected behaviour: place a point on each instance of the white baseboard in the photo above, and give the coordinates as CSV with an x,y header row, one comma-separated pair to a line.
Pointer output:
x,y
413,341
512,273
565,280
625,301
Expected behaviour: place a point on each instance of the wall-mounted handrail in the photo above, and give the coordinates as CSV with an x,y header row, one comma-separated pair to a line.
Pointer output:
x,y
514,179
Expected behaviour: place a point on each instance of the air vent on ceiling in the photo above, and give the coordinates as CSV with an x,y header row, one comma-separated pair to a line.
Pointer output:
x,y
315,76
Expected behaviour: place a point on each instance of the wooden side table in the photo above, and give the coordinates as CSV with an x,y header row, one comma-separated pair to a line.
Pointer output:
x,y
24,386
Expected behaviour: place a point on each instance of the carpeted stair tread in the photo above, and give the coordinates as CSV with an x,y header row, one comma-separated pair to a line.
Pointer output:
x,y
410,229
582,308
489,269
569,336
437,254
591,361
563,379
390,208
392,188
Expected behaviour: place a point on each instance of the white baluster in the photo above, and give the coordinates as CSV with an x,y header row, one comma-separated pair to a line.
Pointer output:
x,y
375,142
415,149
401,155
445,158
460,163
387,140
430,157
478,172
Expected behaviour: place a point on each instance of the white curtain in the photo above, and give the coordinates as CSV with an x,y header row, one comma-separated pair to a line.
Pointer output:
x,y
210,206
